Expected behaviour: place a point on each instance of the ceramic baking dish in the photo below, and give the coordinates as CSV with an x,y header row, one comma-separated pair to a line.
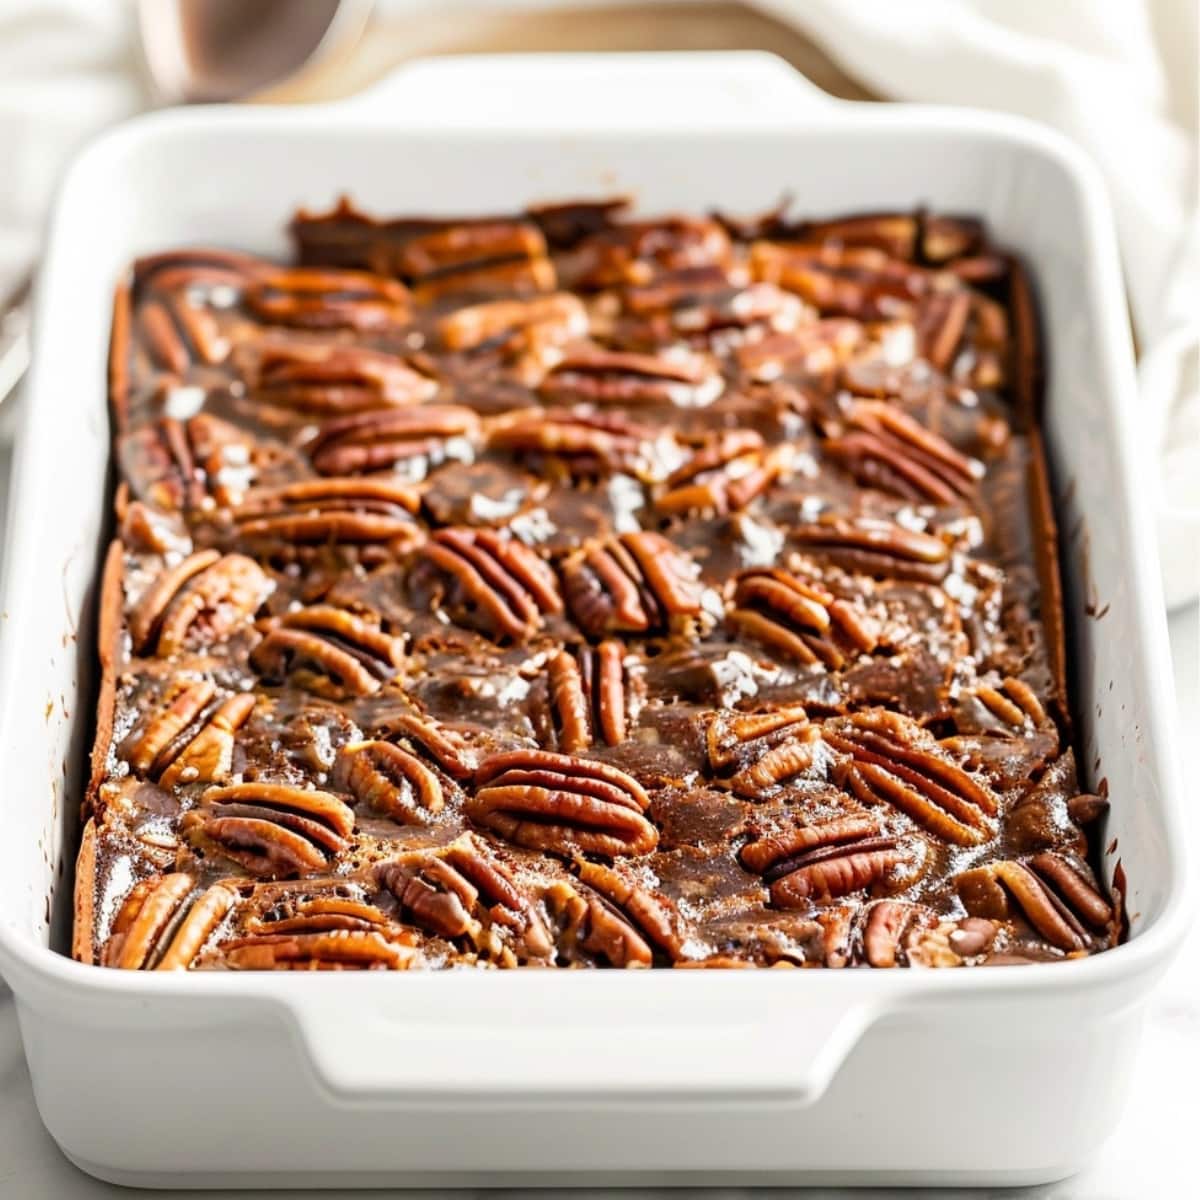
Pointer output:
x,y
988,1077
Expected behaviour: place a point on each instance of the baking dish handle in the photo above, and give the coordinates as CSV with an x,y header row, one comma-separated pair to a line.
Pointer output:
x,y
577,91
539,1043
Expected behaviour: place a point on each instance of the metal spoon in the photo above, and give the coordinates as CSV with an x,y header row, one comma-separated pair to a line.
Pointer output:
x,y
215,50
210,51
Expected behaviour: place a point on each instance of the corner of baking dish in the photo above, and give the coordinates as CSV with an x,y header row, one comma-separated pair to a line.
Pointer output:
x,y
37,970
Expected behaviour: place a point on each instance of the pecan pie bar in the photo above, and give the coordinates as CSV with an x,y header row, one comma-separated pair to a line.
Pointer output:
x,y
577,589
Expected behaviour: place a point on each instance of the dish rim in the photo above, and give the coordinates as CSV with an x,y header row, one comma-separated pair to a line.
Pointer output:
x,y
1142,954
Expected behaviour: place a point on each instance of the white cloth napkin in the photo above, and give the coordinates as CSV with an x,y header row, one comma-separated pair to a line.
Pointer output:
x,y
1119,76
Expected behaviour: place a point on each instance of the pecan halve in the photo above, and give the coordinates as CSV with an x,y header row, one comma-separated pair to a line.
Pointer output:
x,y
191,739
271,829
391,780
593,375
324,511
636,583
1057,897
341,950
860,282
588,929
556,318
497,584
464,892
895,233
208,756
886,924
724,474
1014,705
182,465
163,321
990,339
327,651
890,760
378,441
142,918
800,620
702,300
145,529
215,275
941,322
163,923
588,444
823,861
184,703
197,602
445,745
313,911
191,935
874,546
610,921
331,379
588,695
561,803
635,252
324,298
321,932
175,330
815,348
477,258
757,751
885,448
654,916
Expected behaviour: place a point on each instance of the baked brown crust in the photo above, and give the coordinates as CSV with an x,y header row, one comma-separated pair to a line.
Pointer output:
x,y
1044,534
108,634
118,356
83,946
565,588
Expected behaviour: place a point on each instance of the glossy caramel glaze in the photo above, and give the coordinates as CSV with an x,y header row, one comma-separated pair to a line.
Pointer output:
x,y
575,588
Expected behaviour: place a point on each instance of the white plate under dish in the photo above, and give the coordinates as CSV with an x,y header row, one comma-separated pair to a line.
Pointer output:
x,y
925,1077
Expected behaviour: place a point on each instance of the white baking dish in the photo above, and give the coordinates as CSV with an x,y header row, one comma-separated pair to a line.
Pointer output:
x,y
998,1076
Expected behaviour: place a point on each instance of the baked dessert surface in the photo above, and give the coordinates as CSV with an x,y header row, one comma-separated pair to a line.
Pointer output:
x,y
575,588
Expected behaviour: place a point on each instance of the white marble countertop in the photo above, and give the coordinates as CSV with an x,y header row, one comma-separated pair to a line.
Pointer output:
x,y
1149,1155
